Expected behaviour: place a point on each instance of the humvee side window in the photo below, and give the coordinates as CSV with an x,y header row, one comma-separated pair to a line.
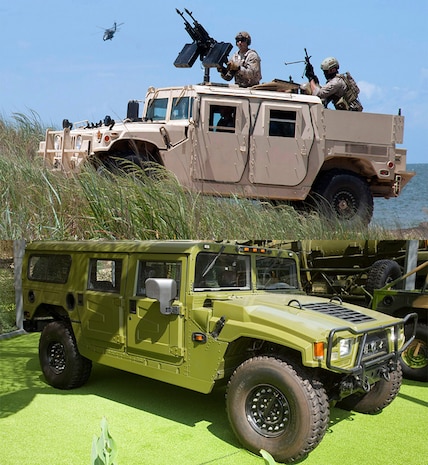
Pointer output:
x,y
222,272
180,108
49,268
105,275
156,109
276,273
222,118
282,123
150,269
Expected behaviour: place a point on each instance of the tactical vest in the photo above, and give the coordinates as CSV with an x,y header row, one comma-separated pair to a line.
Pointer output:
x,y
349,101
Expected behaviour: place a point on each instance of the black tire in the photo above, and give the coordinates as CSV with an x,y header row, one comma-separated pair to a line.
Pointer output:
x,y
381,273
414,360
344,196
121,163
380,395
276,407
60,360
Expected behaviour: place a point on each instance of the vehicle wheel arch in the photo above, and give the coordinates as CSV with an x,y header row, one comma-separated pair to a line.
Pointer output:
x,y
46,313
353,165
55,312
245,348
125,148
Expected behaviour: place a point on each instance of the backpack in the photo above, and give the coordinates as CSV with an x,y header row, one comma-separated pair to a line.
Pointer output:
x,y
349,101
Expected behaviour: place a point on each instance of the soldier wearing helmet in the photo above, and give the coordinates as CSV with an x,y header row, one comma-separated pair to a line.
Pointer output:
x,y
244,65
341,89
335,87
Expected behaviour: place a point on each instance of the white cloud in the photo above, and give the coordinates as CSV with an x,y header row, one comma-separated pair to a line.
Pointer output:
x,y
369,91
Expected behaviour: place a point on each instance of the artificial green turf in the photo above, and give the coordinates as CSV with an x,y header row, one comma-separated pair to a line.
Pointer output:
x,y
158,424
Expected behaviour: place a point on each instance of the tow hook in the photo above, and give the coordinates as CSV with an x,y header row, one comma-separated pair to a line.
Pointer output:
x,y
366,384
384,372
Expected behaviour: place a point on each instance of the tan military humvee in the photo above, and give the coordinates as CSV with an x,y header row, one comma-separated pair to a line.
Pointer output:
x,y
255,143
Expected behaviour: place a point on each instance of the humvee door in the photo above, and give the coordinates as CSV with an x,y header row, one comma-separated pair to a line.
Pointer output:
x,y
151,333
222,140
280,144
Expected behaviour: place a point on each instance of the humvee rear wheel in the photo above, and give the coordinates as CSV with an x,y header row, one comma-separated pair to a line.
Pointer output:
x,y
380,395
414,360
344,196
60,360
276,407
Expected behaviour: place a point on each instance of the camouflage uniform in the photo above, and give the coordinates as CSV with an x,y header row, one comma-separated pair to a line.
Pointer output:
x,y
249,73
332,91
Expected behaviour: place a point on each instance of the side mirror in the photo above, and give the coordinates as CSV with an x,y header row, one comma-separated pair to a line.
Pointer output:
x,y
163,290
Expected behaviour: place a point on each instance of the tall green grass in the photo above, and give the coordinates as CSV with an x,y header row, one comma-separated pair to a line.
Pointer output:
x,y
42,204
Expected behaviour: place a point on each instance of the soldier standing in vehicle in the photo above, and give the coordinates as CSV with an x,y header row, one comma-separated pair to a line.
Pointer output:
x,y
244,65
341,89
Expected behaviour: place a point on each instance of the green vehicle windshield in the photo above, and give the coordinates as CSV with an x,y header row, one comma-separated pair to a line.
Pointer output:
x,y
230,271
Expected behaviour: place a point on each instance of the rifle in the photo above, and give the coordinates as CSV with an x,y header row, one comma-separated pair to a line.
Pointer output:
x,y
213,54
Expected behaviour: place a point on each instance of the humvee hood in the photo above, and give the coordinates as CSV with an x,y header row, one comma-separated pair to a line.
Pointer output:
x,y
301,314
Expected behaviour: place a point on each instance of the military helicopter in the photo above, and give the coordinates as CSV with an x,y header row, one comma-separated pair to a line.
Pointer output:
x,y
110,32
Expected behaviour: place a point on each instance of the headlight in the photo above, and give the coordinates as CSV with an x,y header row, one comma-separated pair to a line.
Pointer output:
x,y
78,142
57,142
345,347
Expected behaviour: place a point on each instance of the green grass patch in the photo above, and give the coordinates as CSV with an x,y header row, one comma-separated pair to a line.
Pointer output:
x,y
156,423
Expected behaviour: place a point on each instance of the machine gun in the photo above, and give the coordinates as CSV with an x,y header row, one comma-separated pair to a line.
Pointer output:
x,y
309,69
212,54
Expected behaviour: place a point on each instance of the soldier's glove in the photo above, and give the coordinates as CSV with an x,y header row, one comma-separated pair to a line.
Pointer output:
x,y
233,66
309,72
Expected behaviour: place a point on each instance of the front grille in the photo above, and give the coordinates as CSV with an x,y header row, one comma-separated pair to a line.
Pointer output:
x,y
338,311
375,344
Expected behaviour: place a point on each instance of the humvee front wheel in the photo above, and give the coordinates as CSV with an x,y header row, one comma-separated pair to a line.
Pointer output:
x,y
380,395
273,406
344,196
60,360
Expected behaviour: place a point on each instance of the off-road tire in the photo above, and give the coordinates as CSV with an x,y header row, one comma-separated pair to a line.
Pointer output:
x,y
60,360
381,273
414,360
380,395
344,196
275,406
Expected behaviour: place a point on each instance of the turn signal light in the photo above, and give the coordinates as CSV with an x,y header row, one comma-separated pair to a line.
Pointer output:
x,y
318,350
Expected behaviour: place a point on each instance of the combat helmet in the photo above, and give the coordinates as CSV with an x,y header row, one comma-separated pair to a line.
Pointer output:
x,y
243,35
328,63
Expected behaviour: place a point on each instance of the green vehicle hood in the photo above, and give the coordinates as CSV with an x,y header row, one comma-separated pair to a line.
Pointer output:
x,y
293,317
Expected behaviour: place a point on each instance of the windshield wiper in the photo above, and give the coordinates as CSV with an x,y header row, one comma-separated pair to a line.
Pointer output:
x,y
212,263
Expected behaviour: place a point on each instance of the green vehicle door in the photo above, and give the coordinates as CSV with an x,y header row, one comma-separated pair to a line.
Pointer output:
x,y
149,332
103,318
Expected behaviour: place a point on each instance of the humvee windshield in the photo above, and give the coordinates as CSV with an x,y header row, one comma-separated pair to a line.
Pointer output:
x,y
276,273
157,109
231,271
222,272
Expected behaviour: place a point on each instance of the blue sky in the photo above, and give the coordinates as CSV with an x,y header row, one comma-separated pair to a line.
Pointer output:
x,y
55,63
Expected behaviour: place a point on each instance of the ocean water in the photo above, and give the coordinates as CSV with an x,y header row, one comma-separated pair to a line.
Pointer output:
x,y
410,208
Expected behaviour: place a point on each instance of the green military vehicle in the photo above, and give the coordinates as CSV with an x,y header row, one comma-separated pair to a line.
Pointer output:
x,y
395,300
200,314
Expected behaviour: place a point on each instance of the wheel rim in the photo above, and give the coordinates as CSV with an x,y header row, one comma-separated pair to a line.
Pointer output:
x,y
345,204
267,410
56,357
416,355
